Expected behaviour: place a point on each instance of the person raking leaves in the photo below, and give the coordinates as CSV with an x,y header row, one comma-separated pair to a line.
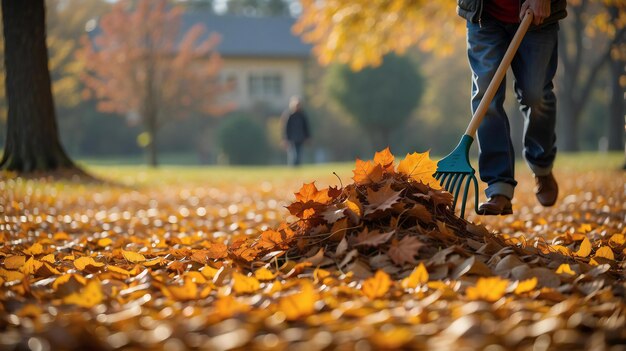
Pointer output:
x,y
491,25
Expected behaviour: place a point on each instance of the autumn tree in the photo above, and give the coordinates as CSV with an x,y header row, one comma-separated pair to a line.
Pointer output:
x,y
140,65
605,22
361,32
380,99
32,142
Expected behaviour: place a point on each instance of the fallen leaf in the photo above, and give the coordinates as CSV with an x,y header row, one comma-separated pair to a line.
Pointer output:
x,y
374,238
104,242
88,297
420,168
525,286
376,286
187,291
489,289
385,159
585,248
87,262
14,262
366,172
605,252
300,304
404,251
243,284
133,257
264,274
35,249
565,269
418,277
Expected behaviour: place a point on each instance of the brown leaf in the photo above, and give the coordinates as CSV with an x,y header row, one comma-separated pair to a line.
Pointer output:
x,y
374,238
404,251
382,199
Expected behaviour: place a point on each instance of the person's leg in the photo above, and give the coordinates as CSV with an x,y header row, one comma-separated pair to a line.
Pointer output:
x,y
534,68
298,153
486,46
291,154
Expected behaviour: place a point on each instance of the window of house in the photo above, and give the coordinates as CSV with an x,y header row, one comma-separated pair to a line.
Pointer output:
x,y
265,85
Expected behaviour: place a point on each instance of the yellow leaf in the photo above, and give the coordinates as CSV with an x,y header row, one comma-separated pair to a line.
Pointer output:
x,y
14,262
11,275
585,248
31,266
133,257
264,274
376,286
188,291
489,289
617,240
154,262
561,249
90,296
67,278
243,284
208,272
565,269
82,263
392,338
48,258
418,276
420,168
119,270
228,306
300,304
104,242
605,252
525,286
59,236
35,249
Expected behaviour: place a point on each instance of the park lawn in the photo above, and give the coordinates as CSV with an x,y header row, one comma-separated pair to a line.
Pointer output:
x,y
138,262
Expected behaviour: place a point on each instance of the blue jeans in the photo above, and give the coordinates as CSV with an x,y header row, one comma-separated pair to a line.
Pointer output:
x,y
294,153
534,67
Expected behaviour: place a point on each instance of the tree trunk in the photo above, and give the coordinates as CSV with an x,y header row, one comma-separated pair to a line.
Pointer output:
x,y
616,111
151,128
32,142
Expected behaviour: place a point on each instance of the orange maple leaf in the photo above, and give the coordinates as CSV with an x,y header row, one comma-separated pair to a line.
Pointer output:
x,y
366,172
385,158
420,168
309,192
404,251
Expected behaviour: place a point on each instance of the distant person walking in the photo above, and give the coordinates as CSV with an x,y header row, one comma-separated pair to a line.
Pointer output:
x,y
296,131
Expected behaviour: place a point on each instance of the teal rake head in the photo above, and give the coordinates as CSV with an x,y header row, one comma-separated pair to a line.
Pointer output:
x,y
455,169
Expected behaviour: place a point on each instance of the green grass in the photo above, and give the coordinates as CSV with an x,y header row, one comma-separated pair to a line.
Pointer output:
x,y
323,173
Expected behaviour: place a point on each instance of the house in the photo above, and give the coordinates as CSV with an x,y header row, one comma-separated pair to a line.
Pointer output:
x,y
263,60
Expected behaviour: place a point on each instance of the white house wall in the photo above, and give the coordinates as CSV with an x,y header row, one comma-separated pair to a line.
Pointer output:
x,y
291,71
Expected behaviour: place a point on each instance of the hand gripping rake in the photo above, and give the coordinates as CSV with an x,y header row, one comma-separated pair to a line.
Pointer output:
x,y
455,168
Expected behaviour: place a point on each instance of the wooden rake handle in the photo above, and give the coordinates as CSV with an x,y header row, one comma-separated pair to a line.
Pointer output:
x,y
499,76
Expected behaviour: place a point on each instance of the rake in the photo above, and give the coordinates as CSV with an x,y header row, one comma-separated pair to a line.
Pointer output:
x,y
455,169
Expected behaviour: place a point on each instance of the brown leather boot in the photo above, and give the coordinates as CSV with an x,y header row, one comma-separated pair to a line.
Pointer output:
x,y
496,205
547,190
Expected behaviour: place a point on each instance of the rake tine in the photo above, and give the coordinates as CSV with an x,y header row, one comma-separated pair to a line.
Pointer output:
x,y
448,180
458,189
464,201
442,179
438,175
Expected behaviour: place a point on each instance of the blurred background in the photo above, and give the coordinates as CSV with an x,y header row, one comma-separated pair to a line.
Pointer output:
x,y
206,82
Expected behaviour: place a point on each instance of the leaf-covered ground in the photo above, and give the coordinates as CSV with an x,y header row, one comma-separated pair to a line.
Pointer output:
x,y
186,258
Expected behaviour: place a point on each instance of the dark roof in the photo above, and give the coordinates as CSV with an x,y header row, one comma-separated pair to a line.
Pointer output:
x,y
251,36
